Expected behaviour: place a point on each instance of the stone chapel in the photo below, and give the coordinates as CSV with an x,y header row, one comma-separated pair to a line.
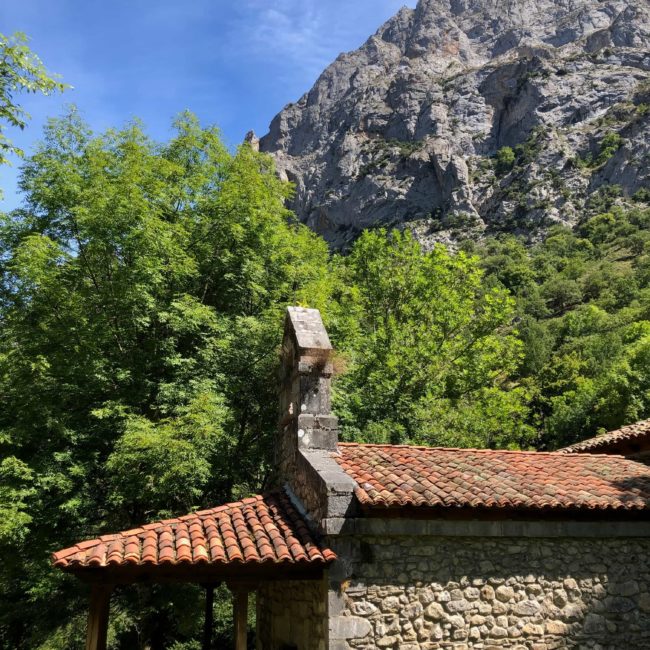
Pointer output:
x,y
402,547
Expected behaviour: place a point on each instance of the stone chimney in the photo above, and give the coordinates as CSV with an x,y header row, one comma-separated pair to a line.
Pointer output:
x,y
306,420
307,431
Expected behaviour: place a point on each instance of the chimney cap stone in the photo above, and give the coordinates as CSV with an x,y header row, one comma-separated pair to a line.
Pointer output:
x,y
308,329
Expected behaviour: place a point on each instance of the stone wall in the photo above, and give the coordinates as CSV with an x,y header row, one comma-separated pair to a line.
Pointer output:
x,y
291,615
421,593
321,488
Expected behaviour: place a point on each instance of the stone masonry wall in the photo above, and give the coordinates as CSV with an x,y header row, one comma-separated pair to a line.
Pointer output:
x,y
291,615
425,593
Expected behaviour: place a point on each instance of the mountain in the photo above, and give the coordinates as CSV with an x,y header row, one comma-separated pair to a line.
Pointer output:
x,y
466,117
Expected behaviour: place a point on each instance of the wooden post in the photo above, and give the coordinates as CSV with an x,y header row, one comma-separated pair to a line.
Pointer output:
x,y
240,607
100,597
207,623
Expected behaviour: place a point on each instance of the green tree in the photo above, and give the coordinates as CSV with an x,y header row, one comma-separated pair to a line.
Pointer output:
x,y
429,349
141,303
21,71
609,145
505,160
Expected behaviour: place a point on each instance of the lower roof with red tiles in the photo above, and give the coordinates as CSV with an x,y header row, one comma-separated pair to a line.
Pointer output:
x,y
394,476
618,441
260,530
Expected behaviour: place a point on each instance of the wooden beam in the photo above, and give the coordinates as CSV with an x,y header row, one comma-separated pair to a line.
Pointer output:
x,y
202,574
207,623
240,615
100,597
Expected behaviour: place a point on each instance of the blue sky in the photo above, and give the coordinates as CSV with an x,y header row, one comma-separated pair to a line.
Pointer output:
x,y
234,63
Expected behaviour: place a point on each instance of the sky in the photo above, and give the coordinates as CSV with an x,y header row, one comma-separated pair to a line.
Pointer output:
x,y
235,63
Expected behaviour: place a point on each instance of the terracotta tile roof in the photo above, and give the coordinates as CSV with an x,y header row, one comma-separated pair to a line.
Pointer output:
x,y
632,433
257,530
398,476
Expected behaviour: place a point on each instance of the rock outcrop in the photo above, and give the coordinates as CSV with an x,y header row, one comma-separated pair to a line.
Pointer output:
x,y
406,129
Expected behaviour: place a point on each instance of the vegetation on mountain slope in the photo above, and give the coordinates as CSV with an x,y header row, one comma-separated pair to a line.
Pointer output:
x,y
583,315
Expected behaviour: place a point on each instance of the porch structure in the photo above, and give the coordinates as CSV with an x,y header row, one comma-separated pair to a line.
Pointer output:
x,y
244,544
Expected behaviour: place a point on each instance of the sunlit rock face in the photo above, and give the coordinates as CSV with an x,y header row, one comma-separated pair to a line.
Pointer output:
x,y
404,130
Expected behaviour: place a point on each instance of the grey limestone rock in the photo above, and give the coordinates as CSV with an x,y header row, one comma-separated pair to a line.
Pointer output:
x,y
404,130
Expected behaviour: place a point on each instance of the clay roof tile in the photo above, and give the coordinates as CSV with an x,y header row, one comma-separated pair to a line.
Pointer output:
x,y
259,529
391,476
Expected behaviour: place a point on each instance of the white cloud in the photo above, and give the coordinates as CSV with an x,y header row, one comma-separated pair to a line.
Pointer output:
x,y
306,35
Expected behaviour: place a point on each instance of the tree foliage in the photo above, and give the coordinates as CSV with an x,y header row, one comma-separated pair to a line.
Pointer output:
x,y
21,71
142,296
431,351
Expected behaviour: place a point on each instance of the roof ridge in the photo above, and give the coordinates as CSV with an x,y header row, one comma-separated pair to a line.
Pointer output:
x,y
627,426
206,512
630,431
530,452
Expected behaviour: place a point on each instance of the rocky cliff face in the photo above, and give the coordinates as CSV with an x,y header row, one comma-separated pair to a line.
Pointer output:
x,y
407,128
